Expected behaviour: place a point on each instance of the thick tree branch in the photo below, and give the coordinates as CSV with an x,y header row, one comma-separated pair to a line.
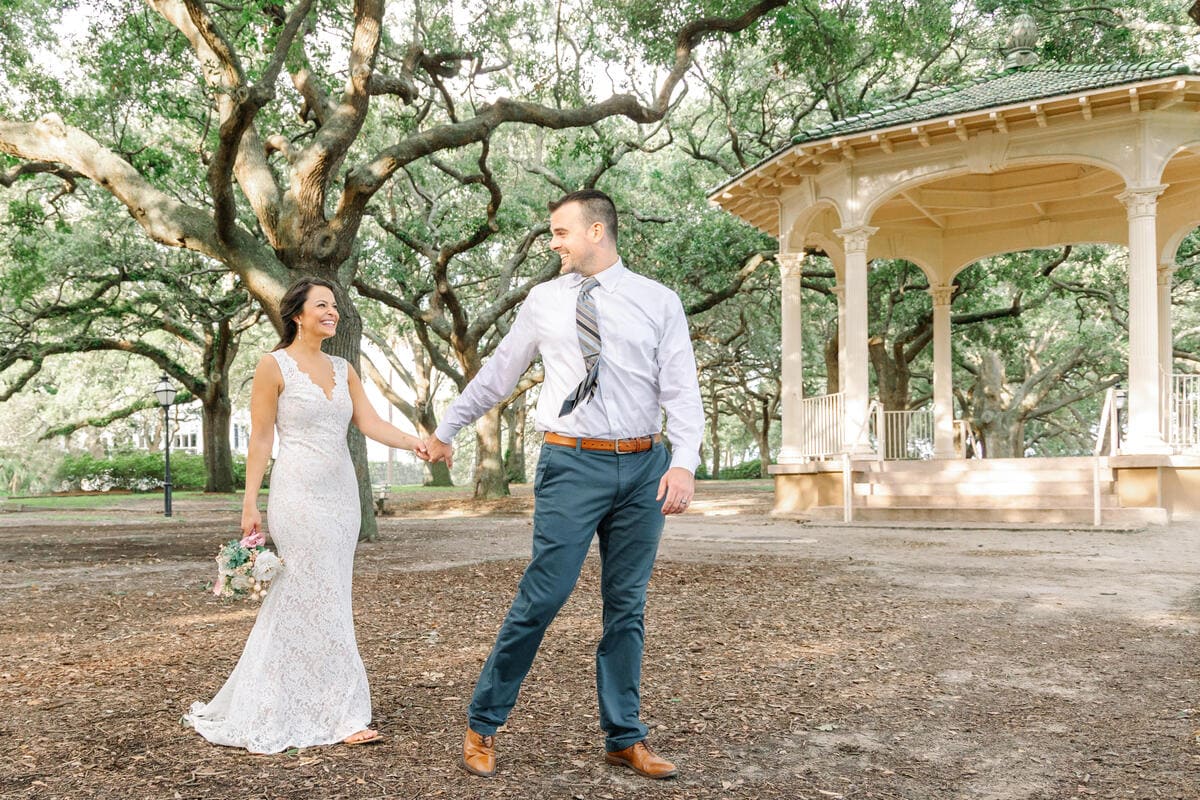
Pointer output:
x,y
716,298
404,306
406,408
182,398
10,176
164,219
362,182
319,161
240,144
389,354
238,112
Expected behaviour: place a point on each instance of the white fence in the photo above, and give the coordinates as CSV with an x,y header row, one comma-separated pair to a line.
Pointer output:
x,y
1182,421
908,434
821,423
902,435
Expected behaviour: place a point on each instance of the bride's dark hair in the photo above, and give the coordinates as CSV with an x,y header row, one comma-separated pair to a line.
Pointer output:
x,y
292,305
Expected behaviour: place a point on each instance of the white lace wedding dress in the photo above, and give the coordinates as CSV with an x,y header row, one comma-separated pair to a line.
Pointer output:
x,y
300,680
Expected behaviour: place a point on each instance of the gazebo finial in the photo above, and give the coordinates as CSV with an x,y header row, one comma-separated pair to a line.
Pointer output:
x,y
1019,50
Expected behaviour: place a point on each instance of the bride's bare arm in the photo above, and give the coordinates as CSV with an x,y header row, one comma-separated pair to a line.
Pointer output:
x,y
374,426
264,402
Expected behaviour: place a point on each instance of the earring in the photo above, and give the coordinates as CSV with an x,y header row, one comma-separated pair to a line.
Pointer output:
x,y
299,334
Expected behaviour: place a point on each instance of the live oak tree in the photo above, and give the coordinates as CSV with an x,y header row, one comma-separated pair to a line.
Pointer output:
x,y
234,130
1034,379
87,288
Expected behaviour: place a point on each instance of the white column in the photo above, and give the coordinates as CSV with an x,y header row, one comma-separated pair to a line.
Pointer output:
x,y
1166,350
839,292
1144,434
855,376
791,267
1166,346
943,387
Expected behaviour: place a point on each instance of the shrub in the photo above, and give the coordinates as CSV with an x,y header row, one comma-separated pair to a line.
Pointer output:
x,y
137,471
743,471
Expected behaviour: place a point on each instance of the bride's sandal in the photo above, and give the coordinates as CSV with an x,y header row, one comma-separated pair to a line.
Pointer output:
x,y
366,736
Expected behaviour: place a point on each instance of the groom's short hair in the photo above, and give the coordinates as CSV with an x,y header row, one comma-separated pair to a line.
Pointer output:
x,y
596,205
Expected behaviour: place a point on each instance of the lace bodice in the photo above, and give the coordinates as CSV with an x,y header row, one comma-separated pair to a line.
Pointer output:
x,y
306,417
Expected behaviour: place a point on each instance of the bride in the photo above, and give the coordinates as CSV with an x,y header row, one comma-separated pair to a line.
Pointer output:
x,y
300,680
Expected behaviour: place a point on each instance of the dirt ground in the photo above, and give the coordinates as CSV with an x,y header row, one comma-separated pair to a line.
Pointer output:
x,y
783,660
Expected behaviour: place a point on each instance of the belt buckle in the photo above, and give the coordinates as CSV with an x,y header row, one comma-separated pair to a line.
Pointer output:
x,y
617,446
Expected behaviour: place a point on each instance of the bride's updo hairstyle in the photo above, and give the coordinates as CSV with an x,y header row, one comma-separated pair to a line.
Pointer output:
x,y
292,306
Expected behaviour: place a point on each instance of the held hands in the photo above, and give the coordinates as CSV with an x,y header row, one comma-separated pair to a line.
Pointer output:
x,y
418,448
678,486
437,450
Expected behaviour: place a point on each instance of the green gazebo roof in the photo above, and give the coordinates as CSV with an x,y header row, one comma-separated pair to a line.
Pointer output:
x,y
1013,85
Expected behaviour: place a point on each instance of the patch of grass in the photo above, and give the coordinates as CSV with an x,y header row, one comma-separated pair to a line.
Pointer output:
x,y
107,499
416,489
153,500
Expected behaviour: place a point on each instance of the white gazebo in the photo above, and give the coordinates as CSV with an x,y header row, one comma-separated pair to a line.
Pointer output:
x,y
1034,155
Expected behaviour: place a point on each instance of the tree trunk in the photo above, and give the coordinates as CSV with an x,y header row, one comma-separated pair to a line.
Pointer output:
x,y
1000,425
1004,440
891,375
434,474
348,344
218,456
832,367
437,474
764,440
489,467
514,456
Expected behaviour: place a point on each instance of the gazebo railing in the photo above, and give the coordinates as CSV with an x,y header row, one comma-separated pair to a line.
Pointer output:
x,y
892,435
907,435
1181,422
822,421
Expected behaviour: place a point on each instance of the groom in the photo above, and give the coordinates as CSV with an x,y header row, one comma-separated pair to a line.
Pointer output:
x,y
616,352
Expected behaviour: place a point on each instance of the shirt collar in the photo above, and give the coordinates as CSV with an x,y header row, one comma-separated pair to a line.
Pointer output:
x,y
608,278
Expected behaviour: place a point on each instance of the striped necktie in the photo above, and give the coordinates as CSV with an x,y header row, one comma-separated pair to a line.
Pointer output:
x,y
588,330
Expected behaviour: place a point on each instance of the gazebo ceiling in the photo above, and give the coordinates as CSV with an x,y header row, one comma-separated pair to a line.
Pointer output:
x,y
1015,102
1019,196
1010,197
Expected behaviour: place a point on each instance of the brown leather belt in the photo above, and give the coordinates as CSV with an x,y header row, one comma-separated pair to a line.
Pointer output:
x,y
637,445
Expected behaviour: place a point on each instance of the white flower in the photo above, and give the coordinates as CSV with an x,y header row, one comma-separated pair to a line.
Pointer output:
x,y
240,583
267,565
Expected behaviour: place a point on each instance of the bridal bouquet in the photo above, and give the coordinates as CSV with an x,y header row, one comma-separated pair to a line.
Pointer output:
x,y
245,570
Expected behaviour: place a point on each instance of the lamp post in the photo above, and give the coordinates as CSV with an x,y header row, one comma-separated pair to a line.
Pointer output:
x,y
165,393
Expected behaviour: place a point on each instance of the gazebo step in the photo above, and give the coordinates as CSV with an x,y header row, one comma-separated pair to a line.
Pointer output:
x,y
984,464
998,502
1022,487
957,472
1073,515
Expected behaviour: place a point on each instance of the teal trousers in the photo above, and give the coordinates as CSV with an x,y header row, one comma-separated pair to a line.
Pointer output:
x,y
580,494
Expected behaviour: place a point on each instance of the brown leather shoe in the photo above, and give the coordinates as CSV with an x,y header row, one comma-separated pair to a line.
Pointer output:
x,y
642,760
479,754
